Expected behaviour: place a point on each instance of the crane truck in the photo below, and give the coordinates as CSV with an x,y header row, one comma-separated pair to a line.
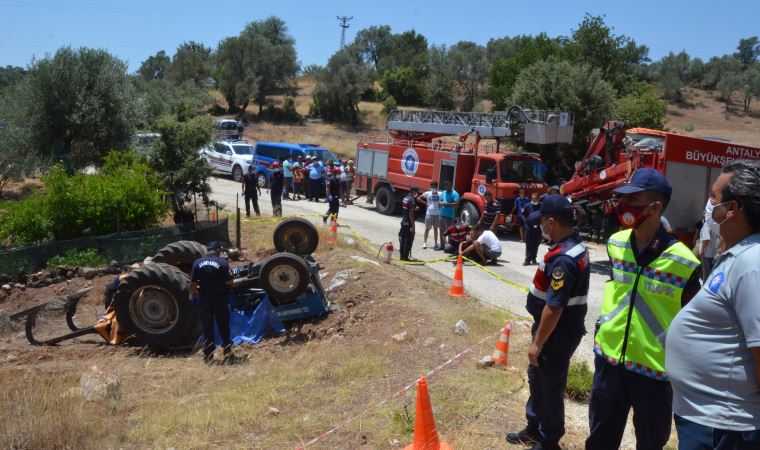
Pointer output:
x,y
413,153
691,164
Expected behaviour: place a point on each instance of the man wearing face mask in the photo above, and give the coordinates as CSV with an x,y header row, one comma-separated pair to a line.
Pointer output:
x,y
709,237
557,302
653,276
713,344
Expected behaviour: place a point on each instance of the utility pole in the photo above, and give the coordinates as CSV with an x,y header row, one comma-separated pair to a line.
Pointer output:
x,y
344,26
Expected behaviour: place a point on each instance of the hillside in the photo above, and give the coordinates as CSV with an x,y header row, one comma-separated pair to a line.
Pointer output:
x,y
700,114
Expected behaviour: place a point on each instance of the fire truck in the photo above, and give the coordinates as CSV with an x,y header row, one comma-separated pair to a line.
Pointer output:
x,y
691,165
413,153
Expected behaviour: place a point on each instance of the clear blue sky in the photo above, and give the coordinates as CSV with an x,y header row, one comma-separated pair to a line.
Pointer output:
x,y
136,29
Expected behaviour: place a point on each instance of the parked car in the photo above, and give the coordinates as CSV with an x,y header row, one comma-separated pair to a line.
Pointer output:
x,y
143,142
265,153
230,157
228,128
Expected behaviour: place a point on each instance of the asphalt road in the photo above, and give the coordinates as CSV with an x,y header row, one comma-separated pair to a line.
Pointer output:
x,y
378,229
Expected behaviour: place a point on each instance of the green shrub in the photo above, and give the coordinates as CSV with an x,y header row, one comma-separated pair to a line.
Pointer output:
x,y
125,194
76,258
689,128
389,104
579,381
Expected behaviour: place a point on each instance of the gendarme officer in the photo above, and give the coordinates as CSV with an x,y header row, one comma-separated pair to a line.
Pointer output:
x,y
557,302
211,282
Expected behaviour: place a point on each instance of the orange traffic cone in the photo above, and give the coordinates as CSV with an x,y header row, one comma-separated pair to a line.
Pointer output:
x,y
457,285
500,356
425,433
333,236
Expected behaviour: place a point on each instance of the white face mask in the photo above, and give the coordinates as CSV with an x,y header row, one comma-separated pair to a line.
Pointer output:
x,y
709,208
713,210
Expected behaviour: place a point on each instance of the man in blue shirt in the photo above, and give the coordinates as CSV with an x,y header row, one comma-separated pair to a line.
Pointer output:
x,y
211,282
448,208
532,230
316,169
557,302
520,202
406,233
712,348
287,175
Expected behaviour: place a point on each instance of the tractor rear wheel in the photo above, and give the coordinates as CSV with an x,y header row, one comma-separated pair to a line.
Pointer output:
x,y
297,236
153,304
181,254
284,276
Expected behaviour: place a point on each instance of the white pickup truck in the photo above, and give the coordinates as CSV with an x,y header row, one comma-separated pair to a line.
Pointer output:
x,y
229,157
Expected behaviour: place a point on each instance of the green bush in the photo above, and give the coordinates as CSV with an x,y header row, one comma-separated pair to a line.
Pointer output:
x,y
643,107
389,104
579,381
125,194
76,258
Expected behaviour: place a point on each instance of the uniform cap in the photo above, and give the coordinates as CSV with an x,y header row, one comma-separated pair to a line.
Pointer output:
x,y
646,180
214,245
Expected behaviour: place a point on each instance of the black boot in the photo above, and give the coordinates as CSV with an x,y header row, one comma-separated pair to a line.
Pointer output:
x,y
527,435
546,446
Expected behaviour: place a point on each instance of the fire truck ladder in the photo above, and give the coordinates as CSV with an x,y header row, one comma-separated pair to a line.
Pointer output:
x,y
538,127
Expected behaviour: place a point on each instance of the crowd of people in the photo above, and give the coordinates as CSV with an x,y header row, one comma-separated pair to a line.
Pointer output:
x,y
303,177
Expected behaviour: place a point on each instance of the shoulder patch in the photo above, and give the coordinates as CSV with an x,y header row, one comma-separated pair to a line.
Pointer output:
x,y
715,282
558,278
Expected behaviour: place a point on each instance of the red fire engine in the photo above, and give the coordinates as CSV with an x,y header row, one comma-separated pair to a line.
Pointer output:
x,y
691,165
413,154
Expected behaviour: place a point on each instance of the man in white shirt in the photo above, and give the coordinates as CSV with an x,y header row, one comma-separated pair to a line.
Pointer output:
x,y
432,200
709,237
484,246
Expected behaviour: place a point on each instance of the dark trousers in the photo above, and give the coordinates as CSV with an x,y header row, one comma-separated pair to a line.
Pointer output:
x,y
215,309
532,241
405,237
333,207
693,436
614,392
707,265
286,186
252,198
545,409
276,195
314,186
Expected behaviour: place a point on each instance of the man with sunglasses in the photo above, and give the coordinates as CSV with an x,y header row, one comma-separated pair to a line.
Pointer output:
x,y
653,276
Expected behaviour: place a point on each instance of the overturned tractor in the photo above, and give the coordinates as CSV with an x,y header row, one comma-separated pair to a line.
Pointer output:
x,y
151,305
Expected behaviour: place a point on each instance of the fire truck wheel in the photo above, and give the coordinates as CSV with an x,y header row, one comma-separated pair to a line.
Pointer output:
x,y
153,304
469,214
297,236
385,201
181,254
284,276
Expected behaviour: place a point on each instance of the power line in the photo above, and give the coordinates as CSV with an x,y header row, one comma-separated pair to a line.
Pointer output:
x,y
343,27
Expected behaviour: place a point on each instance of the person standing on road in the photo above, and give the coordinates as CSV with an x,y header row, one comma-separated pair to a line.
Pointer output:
x,y
713,344
517,208
211,283
406,233
709,237
350,173
251,192
287,177
557,303
333,196
275,188
491,209
431,199
448,206
532,230
653,276
297,178
316,170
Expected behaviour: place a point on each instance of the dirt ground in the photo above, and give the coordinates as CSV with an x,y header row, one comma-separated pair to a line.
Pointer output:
x,y
293,388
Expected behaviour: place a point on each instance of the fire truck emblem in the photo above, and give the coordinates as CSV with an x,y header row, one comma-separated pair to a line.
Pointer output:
x,y
482,190
410,162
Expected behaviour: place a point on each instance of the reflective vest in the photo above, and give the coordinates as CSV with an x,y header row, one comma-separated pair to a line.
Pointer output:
x,y
632,327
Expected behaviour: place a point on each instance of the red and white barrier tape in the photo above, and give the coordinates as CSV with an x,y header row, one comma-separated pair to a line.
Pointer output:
x,y
409,386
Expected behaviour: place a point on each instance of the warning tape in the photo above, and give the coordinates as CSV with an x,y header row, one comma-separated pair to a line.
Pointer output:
x,y
517,286
411,385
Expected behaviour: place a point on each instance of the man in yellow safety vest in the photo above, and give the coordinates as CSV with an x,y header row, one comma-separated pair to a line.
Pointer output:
x,y
653,276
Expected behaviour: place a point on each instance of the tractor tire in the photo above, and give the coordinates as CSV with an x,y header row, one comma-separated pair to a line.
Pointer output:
x,y
284,276
181,254
237,174
153,304
385,200
469,214
297,236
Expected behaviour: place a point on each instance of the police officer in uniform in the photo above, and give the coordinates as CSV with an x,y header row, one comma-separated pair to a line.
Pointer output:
x,y
211,283
653,276
251,191
557,302
532,230
406,233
